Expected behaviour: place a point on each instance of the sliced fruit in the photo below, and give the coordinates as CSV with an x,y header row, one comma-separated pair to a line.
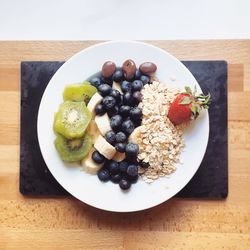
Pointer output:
x,y
93,130
55,116
73,149
136,134
119,156
104,148
89,165
79,92
72,119
95,99
103,123
117,86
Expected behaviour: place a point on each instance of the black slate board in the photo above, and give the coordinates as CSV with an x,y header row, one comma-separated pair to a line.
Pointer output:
x,y
210,181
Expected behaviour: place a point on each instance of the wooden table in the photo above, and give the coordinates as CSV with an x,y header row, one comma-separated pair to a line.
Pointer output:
x,y
65,223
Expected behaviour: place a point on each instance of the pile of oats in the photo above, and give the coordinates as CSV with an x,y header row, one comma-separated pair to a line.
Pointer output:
x,y
159,140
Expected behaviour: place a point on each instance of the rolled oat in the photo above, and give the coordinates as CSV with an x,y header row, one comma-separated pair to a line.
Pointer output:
x,y
161,142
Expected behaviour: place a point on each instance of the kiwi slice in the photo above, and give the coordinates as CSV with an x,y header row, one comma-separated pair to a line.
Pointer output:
x,y
73,149
79,92
72,119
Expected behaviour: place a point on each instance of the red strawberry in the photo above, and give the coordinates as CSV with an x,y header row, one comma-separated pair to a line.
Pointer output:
x,y
187,106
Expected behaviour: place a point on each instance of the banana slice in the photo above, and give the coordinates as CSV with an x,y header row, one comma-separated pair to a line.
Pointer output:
x,y
93,130
104,148
103,123
119,156
117,86
95,99
136,134
89,165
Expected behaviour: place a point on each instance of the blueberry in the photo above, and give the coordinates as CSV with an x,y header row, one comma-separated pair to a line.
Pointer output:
x,y
124,184
137,97
136,85
137,123
123,165
116,178
132,170
116,122
96,82
128,99
113,167
120,103
113,111
131,159
138,74
106,165
103,174
118,76
108,81
110,137
99,109
136,113
124,110
116,94
132,149
126,86
132,179
128,127
97,157
104,89
120,147
120,137
144,79
109,102
144,164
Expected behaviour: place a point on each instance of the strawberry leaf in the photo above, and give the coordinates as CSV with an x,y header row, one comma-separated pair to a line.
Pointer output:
x,y
194,109
188,90
186,100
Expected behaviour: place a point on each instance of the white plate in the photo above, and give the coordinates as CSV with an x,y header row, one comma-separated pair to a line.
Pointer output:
x,y
88,188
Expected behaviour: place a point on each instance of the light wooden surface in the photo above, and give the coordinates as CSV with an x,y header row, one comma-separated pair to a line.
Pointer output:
x,y
65,223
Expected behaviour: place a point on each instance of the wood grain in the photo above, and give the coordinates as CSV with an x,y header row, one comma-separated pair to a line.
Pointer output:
x,y
65,223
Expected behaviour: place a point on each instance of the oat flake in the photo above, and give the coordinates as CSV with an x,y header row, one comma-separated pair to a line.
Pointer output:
x,y
162,142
